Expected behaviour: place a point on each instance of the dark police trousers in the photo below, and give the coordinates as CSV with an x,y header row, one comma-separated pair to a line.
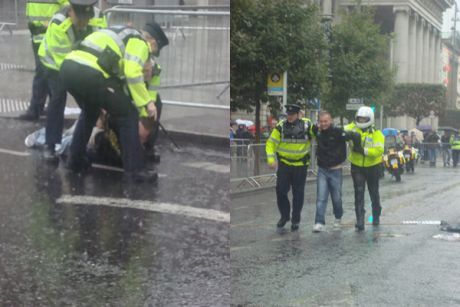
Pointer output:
x,y
287,177
361,176
455,156
56,106
92,92
40,88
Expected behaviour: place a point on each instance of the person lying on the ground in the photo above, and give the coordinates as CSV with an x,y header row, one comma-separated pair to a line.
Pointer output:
x,y
103,144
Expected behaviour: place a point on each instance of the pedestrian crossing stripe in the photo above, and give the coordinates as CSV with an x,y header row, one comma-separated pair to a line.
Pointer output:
x,y
12,66
8,105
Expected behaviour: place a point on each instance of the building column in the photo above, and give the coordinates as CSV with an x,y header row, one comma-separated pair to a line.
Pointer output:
x,y
327,7
438,64
431,54
425,57
419,59
402,40
413,51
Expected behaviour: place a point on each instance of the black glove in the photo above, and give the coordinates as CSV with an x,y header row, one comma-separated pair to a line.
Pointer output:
x,y
356,139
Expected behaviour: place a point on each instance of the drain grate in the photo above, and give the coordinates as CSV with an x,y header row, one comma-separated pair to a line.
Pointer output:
x,y
11,66
12,105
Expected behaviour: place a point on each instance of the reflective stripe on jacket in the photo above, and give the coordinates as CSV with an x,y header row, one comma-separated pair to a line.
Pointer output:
x,y
60,38
294,152
39,13
133,52
455,142
373,141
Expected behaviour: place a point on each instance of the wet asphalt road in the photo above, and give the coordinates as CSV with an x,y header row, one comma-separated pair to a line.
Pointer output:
x,y
390,265
54,254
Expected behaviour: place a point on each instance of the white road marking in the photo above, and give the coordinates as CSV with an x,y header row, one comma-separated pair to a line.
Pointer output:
x,y
421,222
208,214
15,153
219,168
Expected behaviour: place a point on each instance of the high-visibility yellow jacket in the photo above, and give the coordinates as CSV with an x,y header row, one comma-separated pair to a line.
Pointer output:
x,y
60,37
39,13
372,141
455,142
290,148
132,52
152,87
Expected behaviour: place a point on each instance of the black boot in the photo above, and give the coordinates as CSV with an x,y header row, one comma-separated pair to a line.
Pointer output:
x,y
282,222
141,176
359,220
78,165
49,154
294,226
151,154
376,217
31,114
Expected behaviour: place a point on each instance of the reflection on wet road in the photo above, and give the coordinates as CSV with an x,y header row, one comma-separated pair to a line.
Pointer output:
x,y
82,253
395,264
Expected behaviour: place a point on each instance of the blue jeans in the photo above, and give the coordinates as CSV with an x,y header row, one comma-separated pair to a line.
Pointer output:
x,y
329,181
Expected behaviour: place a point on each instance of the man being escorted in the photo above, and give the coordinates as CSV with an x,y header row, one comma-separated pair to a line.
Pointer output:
x,y
365,159
331,153
288,151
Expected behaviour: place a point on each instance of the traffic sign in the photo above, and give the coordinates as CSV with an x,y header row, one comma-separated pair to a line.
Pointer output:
x,y
275,84
355,101
354,106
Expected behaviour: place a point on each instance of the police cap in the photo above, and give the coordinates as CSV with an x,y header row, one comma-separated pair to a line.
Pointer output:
x,y
157,33
83,2
292,109
83,8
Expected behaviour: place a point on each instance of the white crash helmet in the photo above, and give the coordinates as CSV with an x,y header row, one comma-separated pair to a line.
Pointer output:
x,y
364,112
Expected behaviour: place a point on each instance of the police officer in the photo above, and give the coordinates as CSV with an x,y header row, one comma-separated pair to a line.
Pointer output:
x,y
455,145
65,31
161,41
366,158
38,14
288,150
93,75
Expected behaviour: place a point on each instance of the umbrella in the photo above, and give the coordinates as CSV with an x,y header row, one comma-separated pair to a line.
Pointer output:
x,y
247,123
424,128
418,134
390,131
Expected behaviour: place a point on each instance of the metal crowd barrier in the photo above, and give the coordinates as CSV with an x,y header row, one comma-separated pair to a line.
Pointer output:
x,y
196,63
249,169
8,15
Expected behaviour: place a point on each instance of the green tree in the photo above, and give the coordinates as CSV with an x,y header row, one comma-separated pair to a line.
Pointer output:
x,y
417,100
358,66
270,36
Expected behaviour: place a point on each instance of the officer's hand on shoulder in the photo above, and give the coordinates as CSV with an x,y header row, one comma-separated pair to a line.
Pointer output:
x,y
314,129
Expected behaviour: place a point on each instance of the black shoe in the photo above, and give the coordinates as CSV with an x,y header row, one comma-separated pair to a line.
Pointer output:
x,y
359,228
30,115
78,165
152,155
376,220
294,227
282,222
49,154
141,176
